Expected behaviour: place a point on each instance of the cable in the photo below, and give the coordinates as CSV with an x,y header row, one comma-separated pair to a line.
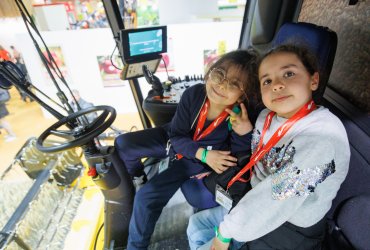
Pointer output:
x,y
97,236
111,58
165,65
133,128
29,22
49,62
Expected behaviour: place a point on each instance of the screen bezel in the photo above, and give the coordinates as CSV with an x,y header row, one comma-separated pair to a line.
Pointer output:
x,y
138,58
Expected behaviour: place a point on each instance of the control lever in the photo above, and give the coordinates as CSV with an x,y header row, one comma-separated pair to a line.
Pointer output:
x,y
157,88
9,72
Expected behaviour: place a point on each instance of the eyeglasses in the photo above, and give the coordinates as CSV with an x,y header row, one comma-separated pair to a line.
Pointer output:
x,y
218,77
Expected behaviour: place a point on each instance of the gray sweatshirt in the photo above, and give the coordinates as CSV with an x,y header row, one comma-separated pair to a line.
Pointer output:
x,y
296,180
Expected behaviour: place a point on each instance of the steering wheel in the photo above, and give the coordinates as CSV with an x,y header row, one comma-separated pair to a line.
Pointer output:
x,y
77,133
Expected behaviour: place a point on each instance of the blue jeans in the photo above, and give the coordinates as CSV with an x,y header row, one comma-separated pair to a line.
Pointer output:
x,y
153,196
134,146
201,228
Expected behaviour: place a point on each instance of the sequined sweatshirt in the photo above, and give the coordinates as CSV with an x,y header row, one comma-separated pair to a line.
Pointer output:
x,y
296,180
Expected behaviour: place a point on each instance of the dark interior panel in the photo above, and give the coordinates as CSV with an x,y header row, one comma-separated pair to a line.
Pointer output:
x,y
264,21
351,69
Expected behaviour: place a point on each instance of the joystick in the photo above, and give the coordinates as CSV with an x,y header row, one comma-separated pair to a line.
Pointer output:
x,y
157,88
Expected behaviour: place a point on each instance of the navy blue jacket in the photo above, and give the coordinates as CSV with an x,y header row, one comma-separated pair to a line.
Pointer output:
x,y
185,121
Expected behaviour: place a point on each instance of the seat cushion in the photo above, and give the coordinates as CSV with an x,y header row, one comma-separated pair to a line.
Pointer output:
x,y
354,221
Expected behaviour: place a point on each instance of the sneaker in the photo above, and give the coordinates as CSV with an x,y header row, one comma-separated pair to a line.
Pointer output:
x,y
9,138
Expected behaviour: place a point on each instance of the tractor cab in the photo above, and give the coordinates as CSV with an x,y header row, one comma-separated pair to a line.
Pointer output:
x,y
343,89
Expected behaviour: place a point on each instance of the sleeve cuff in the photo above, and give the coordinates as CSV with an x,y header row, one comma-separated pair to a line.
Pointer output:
x,y
192,150
223,230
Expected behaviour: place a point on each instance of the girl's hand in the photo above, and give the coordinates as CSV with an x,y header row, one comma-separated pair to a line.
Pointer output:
x,y
219,245
240,122
218,160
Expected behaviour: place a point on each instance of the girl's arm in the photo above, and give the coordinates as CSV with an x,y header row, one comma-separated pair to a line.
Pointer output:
x,y
240,143
180,134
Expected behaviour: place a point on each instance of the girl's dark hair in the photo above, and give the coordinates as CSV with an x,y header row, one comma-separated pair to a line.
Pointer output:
x,y
245,61
307,58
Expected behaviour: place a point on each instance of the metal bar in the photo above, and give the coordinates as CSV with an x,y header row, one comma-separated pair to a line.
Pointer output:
x,y
138,97
114,17
116,24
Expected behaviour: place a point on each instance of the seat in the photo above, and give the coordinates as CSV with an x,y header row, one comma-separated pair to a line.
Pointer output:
x,y
348,224
348,218
349,227
320,40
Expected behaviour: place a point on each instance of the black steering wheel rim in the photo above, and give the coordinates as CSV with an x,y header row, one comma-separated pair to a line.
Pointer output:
x,y
91,130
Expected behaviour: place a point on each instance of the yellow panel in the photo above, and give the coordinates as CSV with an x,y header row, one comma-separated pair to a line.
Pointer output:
x,y
89,218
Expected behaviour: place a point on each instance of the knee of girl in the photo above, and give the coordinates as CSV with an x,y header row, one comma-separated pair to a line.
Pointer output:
x,y
141,200
197,235
192,227
147,201
120,142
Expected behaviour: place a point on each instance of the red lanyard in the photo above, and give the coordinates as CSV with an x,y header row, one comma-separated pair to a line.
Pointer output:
x,y
282,130
202,119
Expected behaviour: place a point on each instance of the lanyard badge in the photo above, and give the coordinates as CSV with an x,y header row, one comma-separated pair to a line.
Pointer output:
x,y
223,198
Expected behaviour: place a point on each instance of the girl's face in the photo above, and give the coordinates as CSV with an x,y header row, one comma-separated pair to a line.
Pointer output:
x,y
225,87
285,83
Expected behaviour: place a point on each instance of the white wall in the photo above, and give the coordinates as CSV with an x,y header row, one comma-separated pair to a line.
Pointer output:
x,y
81,48
173,11
51,17
180,11
9,27
190,40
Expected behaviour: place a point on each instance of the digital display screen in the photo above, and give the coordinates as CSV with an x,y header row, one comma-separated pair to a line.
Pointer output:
x,y
145,42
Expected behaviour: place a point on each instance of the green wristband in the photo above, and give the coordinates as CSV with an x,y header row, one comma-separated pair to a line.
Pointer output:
x,y
220,237
204,156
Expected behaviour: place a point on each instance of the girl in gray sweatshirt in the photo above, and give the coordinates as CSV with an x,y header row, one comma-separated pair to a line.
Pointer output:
x,y
296,179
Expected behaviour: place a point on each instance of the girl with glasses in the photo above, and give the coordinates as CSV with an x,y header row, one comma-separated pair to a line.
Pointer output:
x,y
200,139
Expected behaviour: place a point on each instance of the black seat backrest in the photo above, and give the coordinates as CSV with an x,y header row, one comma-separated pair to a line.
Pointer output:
x,y
320,40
